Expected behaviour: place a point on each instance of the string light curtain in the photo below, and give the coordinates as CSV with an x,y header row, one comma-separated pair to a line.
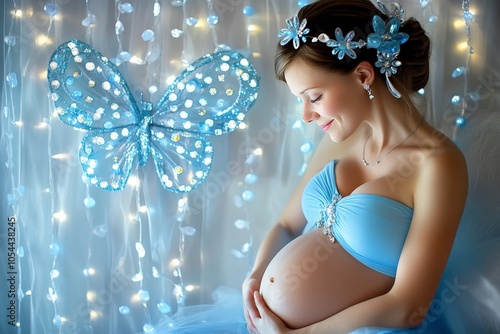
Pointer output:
x,y
95,262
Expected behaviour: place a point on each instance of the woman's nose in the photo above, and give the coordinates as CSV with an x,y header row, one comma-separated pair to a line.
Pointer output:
x,y
309,115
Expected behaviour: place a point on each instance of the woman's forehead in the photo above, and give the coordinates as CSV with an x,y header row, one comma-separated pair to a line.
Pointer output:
x,y
302,77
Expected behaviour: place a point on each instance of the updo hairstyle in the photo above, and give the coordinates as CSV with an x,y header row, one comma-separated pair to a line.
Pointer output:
x,y
324,16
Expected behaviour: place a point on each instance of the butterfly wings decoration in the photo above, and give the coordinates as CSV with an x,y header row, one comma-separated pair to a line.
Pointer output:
x,y
210,97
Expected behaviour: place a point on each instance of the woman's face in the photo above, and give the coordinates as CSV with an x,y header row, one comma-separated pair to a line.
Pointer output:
x,y
337,102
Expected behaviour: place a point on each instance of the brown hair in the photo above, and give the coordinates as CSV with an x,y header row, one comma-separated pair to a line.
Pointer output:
x,y
324,16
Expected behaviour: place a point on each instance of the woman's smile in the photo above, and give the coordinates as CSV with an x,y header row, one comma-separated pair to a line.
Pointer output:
x,y
326,126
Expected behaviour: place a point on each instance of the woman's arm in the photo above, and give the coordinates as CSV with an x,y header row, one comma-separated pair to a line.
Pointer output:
x,y
440,193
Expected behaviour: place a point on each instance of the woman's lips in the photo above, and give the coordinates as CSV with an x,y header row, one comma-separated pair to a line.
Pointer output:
x,y
326,126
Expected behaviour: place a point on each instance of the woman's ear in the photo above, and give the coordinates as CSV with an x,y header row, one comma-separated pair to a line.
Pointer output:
x,y
365,73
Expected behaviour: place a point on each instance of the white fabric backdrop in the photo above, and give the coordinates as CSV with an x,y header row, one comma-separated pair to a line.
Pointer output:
x,y
41,184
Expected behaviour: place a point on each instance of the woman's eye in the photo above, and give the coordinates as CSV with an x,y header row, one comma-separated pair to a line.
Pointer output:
x,y
316,99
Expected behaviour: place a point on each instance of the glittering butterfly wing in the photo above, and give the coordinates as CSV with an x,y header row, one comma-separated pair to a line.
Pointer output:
x,y
88,90
89,93
108,157
210,97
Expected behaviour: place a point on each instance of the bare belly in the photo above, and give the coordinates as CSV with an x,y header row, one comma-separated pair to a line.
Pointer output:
x,y
312,279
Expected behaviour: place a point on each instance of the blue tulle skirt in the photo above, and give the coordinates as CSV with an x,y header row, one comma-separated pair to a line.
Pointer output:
x,y
224,316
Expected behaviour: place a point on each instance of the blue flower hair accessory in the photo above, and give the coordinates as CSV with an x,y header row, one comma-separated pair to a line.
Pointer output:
x,y
295,32
342,45
386,39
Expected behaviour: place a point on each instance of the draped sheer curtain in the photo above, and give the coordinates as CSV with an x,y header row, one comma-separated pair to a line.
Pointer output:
x,y
89,261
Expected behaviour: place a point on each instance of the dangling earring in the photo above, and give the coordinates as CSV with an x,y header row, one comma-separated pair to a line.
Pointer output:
x,y
369,90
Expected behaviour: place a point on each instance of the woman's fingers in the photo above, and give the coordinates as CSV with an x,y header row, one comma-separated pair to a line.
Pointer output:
x,y
250,325
259,302
250,309
248,298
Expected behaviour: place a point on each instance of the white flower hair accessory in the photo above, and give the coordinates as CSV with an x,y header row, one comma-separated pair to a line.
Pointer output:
x,y
386,39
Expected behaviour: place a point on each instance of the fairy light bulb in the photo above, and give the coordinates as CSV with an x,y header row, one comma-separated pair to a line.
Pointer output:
x,y
11,79
459,24
124,309
176,33
460,121
212,19
248,11
148,328
137,277
156,9
140,249
148,35
462,46
89,21
10,40
91,296
133,181
143,295
433,19
60,216
54,273
42,40
54,248
458,72
18,13
57,320
191,21
94,314
42,125
174,263
89,202
88,272
126,8
191,288
252,28
163,307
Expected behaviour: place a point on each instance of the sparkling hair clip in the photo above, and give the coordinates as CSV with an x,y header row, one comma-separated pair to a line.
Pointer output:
x,y
386,39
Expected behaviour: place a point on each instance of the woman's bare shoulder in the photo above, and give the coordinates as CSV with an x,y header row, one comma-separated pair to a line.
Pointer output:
x,y
444,168
443,156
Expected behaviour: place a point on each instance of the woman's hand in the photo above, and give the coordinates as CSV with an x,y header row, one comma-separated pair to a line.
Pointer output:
x,y
249,287
267,322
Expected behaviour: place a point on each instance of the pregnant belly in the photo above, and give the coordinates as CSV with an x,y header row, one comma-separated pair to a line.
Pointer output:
x,y
311,279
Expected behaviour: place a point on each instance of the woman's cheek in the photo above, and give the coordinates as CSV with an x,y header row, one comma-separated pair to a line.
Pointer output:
x,y
337,106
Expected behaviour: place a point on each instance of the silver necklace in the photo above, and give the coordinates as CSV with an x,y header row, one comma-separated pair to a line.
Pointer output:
x,y
369,164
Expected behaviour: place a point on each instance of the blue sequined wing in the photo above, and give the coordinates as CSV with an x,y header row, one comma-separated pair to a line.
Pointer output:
x,y
90,94
88,90
182,158
210,97
108,157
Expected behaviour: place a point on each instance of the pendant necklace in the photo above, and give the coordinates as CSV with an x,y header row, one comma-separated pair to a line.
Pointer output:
x,y
369,164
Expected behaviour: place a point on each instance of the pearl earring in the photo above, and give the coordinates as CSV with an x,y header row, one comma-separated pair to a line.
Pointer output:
x,y
369,90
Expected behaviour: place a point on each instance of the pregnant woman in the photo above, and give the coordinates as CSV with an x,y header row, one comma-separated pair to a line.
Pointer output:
x,y
364,240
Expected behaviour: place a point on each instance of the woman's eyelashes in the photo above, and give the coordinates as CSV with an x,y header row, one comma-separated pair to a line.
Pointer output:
x,y
317,99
